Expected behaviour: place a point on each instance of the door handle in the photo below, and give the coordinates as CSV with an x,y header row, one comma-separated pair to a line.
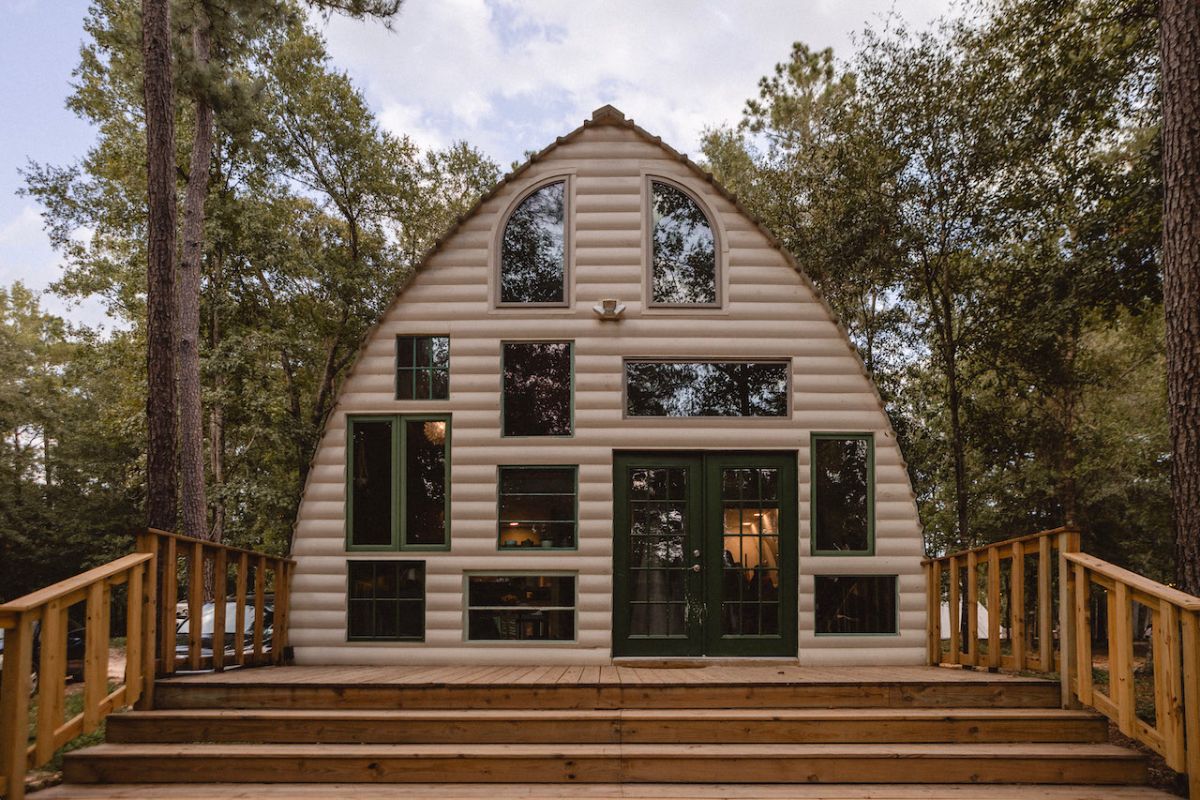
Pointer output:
x,y
696,553
695,567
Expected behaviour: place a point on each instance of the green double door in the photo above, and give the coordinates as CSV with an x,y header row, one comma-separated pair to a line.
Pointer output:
x,y
704,554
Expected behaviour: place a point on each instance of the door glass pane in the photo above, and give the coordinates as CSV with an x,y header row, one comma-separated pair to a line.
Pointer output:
x,y
750,561
657,541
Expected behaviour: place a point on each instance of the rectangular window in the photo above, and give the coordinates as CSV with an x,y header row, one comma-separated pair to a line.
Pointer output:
x,y
856,604
386,601
706,388
371,480
398,471
843,493
537,507
537,383
422,367
521,608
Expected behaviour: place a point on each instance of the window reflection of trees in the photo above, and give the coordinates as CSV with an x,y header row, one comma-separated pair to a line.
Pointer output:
x,y
532,255
425,482
685,266
537,389
841,510
706,389
657,530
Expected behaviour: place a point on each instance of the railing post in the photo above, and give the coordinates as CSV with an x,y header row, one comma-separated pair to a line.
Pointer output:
x,y
1083,635
1068,542
14,705
1191,695
1016,606
1045,618
955,610
933,614
993,594
973,608
148,608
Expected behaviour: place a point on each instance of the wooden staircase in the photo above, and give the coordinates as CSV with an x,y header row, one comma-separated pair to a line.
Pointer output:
x,y
669,738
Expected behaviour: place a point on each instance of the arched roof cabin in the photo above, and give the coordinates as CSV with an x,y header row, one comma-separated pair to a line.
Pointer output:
x,y
609,417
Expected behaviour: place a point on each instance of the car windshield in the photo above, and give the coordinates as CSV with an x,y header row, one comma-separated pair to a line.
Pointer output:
x,y
209,612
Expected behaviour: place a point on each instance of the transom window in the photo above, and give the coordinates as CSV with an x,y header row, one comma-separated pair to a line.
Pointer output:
x,y
537,388
533,252
521,607
386,601
683,248
856,604
537,507
843,494
398,470
706,388
422,367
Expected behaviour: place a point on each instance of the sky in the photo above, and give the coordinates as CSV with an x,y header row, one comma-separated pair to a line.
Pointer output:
x,y
507,76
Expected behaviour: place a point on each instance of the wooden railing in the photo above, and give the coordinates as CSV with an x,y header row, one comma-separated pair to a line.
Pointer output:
x,y
47,609
164,565
1051,628
199,564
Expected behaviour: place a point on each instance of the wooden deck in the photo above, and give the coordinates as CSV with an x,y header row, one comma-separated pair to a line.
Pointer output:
x,y
723,674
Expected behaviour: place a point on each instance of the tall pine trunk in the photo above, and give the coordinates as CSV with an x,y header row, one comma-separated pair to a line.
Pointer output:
x,y
159,96
191,413
1180,42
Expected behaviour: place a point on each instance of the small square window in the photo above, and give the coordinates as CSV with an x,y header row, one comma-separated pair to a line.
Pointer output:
x,y
537,508
422,367
856,604
386,601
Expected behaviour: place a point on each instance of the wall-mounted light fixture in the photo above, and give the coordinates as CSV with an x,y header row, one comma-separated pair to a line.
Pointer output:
x,y
609,308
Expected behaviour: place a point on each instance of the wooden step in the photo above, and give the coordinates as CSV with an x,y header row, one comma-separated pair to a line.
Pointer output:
x,y
601,791
607,763
787,725
249,693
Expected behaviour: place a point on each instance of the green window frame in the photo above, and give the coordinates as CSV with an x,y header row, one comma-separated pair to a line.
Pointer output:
x,y
379,599
399,496
504,390
505,522
814,495
820,600
422,367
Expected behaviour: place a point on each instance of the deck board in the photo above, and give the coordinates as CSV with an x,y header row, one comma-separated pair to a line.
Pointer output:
x,y
303,791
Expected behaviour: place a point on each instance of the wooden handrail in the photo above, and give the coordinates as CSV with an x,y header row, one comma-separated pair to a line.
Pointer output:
x,y
1065,633
152,575
49,607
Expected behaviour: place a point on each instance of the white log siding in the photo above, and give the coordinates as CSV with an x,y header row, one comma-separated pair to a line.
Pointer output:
x,y
770,311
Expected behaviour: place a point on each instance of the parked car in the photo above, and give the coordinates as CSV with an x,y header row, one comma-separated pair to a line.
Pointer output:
x,y
76,647
207,623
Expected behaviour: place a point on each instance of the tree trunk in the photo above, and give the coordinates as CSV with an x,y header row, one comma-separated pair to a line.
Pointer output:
x,y
216,413
159,96
1180,41
191,412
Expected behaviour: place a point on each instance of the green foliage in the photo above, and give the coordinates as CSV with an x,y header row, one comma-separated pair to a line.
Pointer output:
x,y
980,201
315,217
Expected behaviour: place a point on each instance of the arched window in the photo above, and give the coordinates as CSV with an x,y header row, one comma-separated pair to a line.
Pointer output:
x,y
684,270
532,255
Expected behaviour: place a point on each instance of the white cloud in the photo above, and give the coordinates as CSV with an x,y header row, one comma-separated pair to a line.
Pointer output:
x,y
510,75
